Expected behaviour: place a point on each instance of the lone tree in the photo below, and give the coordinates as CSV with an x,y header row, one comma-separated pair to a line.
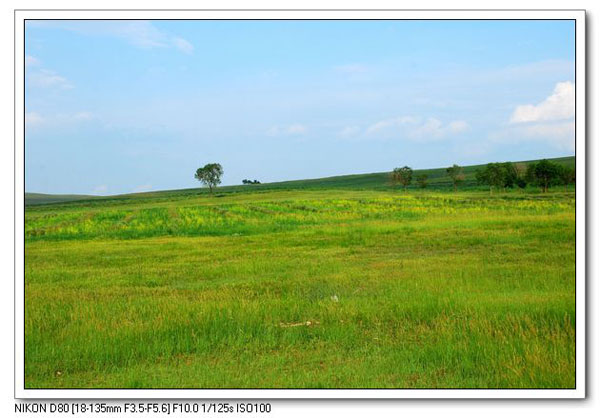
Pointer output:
x,y
422,180
456,174
402,175
544,173
209,175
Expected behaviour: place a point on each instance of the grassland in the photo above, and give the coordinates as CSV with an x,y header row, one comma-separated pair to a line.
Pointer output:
x,y
319,288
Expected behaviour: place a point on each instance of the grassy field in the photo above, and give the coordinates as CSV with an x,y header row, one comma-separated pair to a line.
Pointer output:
x,y
322,288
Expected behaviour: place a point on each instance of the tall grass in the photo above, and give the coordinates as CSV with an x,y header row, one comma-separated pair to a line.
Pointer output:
x,y
303,289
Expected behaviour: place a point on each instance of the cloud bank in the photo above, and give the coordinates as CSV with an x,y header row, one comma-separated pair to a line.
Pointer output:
x,y
289,130
416,129
139,33
559,105
550,121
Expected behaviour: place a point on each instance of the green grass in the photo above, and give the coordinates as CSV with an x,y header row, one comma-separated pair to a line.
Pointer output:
x,y
321,288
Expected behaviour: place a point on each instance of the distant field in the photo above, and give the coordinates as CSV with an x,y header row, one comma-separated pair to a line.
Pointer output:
x,y
330,287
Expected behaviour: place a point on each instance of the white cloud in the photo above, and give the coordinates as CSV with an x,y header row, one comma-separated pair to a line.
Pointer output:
x,y
433,128
349,131
60,119
47,78
562,130
290,130
296,129
560,105
274,131
560,134
33,119
83,116
139,33
457,126
31,61
416,129
182,45
388,124
550,121
42,77
533,70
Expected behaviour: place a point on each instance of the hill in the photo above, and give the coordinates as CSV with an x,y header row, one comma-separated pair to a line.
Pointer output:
x,y
437,178
41,198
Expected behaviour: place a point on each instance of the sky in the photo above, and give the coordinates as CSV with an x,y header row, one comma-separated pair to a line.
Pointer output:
x,y
129,106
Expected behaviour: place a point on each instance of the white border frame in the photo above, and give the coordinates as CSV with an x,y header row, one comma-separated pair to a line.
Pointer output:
x,y
580,125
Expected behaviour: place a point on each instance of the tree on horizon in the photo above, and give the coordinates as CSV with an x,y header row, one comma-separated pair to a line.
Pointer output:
x,y
456,174
210,175
544,173
402,176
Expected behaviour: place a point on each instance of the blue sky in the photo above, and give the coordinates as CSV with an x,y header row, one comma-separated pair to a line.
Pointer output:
x,y
122,106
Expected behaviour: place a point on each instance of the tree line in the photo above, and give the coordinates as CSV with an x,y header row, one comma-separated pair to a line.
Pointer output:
x,y
498,176
404,175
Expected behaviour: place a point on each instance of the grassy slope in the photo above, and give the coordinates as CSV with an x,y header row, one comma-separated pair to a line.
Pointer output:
x,y
302,288
437,178
333,282
42,198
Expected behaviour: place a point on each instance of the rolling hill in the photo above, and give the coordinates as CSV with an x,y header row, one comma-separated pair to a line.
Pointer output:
x,y
437,178
42,198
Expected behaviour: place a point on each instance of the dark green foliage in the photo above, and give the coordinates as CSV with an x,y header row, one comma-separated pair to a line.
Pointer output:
x,y
566,176
510,175
402,176
246,181
500,175
456,174
210,175
422,180
544,174
492,175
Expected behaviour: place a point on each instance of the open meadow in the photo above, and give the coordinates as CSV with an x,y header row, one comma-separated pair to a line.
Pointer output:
x,y
302,288
357,200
